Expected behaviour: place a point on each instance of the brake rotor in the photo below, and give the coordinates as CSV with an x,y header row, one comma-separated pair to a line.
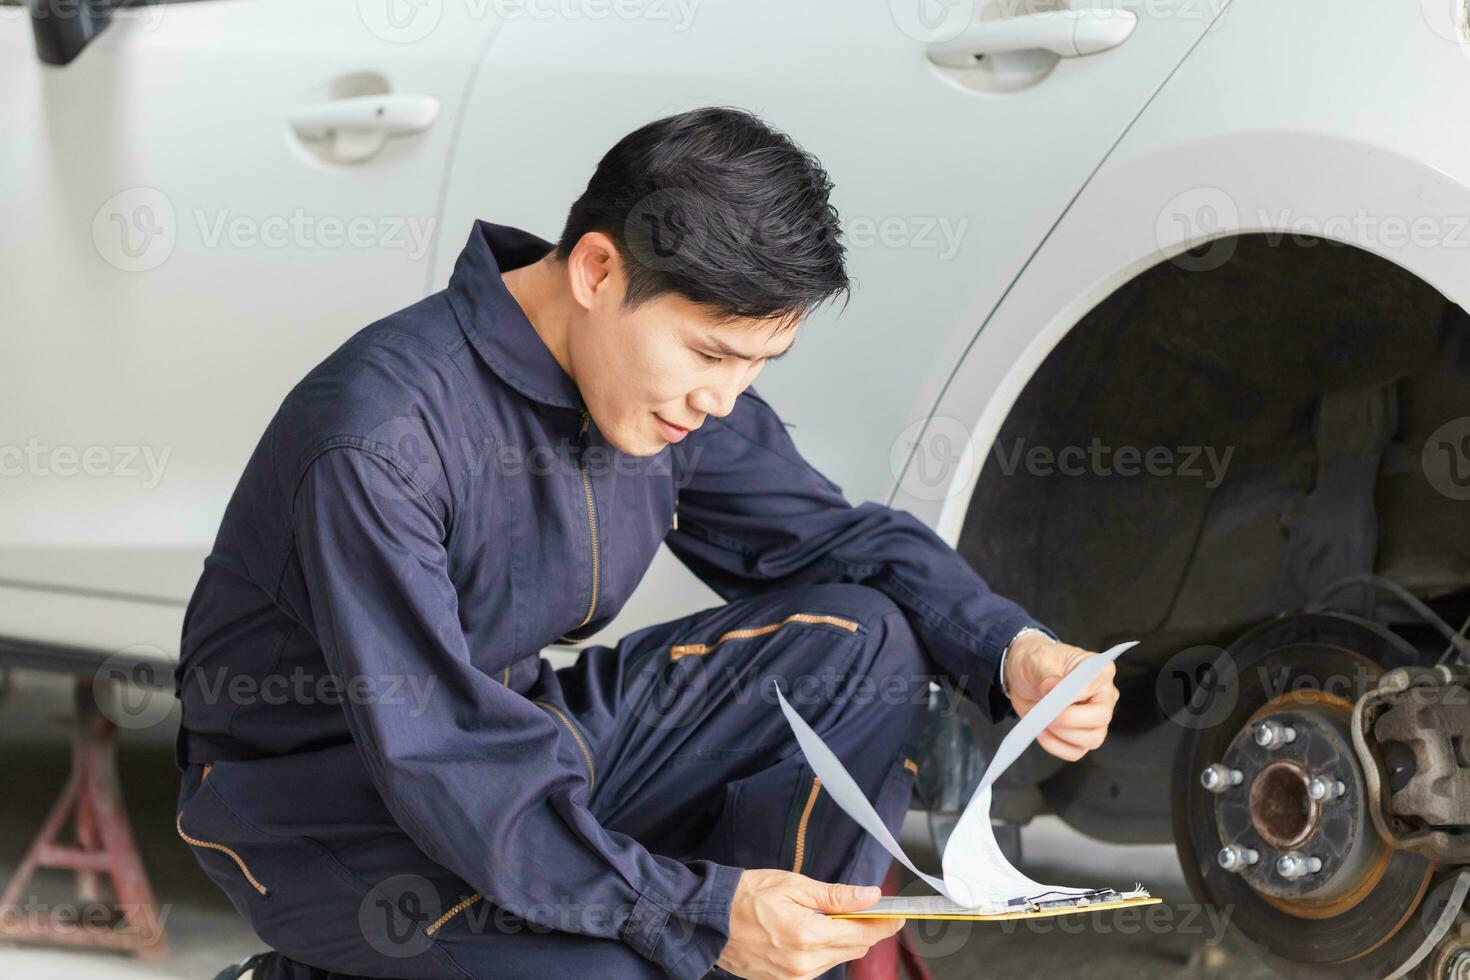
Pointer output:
x,y
1343,904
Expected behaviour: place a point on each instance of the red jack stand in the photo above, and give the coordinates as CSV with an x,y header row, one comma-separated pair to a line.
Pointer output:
x,y
104,846
887,955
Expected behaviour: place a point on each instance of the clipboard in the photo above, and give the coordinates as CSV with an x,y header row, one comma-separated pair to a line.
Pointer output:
x,y
897,911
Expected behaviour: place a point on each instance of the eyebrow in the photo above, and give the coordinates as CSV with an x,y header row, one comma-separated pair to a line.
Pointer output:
x,y
725,348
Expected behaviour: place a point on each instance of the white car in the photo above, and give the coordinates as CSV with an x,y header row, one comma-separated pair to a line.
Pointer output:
x,y
1160,318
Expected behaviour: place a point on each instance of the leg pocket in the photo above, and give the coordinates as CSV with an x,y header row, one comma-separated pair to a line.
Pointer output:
x,y
807,820
870,859
220,841
298,897
674,665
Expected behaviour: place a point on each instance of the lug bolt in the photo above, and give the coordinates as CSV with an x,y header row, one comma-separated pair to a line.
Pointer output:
x,y
1235,858
1295,864
1217,778
1272,734
1321,788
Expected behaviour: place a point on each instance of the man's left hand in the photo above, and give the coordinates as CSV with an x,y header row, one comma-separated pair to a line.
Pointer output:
x,y
1034,666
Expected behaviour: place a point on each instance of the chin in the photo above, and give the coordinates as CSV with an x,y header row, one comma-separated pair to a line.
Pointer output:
x,y
644,445
653,447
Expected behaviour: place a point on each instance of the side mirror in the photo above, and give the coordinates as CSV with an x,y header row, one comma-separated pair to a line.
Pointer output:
x,y
64,27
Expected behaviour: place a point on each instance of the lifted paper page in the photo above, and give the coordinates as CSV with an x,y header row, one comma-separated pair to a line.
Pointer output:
x,y
977,876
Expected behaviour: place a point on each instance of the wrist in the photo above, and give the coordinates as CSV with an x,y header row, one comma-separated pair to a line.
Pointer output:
x,y
1027,638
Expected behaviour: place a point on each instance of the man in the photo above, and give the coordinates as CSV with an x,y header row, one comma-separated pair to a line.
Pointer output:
x,y
379,768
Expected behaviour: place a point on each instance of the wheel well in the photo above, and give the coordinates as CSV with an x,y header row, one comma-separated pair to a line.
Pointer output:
x,y
1297,365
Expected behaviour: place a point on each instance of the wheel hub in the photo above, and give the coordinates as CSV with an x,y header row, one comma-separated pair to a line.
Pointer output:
x,y
1276,827
1280,808
1300,805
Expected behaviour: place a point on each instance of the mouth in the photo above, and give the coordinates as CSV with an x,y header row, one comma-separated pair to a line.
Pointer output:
x,y
680,428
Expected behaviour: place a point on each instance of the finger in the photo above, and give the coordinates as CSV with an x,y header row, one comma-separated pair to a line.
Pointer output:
x,y
1064,738
1088,711
1090,714
1075,656
1087,738
855,932
882,929
1099,688
1059,748
1078,736
833,896
1106,697
1024,704
1097,691
1065,751
1103,681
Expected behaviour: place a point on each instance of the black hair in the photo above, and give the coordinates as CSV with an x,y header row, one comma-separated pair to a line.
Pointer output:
x,y
717,206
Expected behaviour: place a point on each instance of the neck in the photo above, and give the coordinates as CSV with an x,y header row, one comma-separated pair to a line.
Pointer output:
x,y
539,290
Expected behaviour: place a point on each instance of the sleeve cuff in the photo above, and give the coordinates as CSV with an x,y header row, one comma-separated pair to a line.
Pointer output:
x,y
686,940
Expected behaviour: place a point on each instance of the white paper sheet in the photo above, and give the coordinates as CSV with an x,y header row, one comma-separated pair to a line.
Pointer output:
x,y
976,875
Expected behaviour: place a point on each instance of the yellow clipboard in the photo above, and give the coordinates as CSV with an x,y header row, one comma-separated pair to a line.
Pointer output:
x,y
1000,916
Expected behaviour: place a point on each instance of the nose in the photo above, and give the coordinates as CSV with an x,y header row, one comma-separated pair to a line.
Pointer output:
x,y
717,399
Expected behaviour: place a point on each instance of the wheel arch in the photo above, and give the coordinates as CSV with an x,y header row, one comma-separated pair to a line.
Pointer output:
x,y
1139,218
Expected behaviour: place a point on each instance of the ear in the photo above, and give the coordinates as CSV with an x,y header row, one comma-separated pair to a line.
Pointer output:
x,y
594,271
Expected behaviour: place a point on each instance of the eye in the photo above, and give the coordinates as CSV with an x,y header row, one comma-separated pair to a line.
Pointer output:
x,y
709,358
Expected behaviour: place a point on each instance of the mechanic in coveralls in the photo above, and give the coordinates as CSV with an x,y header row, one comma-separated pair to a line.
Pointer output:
x,y
381,771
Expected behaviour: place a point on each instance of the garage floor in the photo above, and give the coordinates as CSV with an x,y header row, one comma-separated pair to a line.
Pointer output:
x,y
1176,939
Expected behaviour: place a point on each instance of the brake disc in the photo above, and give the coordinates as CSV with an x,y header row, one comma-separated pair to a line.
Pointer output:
x,y
1310,884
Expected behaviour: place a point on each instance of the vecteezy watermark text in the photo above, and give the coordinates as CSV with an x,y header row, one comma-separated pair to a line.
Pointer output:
x,y
38,459
1099,459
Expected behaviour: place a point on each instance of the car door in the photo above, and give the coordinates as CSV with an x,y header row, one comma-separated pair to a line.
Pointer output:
x,y
948,168
210,197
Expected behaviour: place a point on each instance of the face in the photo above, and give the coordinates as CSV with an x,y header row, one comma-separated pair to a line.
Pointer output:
x,y
666,364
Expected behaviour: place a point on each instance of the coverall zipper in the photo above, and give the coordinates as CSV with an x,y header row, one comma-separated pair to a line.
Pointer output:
x,y
806,814
434,926
591,523
577,736
227,851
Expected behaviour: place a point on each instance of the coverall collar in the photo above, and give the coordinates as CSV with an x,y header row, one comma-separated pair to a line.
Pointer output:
x,y
495,323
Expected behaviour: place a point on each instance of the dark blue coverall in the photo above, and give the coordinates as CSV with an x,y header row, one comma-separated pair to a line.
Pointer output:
x,y
386,778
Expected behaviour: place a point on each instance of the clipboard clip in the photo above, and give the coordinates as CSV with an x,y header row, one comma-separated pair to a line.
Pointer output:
x,y
1039,901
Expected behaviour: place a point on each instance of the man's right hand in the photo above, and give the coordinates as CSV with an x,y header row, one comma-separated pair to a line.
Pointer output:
x,y
778,930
